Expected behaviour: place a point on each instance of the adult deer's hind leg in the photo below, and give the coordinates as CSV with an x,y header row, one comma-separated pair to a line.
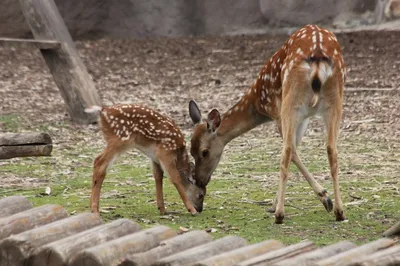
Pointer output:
x,y
158,177
101,164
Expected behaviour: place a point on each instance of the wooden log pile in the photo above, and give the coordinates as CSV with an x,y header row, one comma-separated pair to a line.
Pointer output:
x,y
25,144
49,236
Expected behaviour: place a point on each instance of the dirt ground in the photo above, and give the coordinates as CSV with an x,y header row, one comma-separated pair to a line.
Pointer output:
x,y
166,73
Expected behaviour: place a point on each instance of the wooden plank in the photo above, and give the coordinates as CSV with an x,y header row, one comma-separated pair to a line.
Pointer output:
x,y
60,252
280,254
26,220
68,70
167,248
392,231
14,204
40,44
238,255
8,152
195,254
16,250
310,257
112,252
15,139
386,257
350,256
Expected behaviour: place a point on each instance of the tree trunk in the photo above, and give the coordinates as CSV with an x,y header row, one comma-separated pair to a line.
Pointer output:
x,y
14,204
195,254
392,231
69,72
112,252
60,252
386,257
237,255
26,220
350,256
280,254
318,254
15,250
168,247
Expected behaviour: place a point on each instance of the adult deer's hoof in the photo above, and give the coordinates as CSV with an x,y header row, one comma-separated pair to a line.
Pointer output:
x,y
327,203
340,216
279,218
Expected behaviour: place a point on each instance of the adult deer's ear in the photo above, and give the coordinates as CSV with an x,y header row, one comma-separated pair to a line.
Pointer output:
x,y
213,120
194,112
191,179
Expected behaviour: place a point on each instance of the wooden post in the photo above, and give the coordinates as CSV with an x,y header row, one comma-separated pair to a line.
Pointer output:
x,y
319,254
386,257
280,254
25,144
14,204
168,247
60,252
392,231
112,252
31,218
15,250
69,72
237,255
195,254
350,256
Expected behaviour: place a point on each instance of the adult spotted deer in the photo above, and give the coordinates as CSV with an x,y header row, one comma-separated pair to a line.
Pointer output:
x,y
305,77
126,127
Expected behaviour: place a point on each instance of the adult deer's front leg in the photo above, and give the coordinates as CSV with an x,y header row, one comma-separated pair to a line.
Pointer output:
x,y
158,177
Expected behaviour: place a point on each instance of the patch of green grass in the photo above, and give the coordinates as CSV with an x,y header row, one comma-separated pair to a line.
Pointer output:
x,y
237,197
10,122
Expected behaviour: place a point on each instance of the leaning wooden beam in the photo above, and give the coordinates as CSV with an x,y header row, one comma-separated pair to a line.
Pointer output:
x,y
237,255
14,204
60,252
280,254
167,248
16,250
31,218
68,70
112,252
41,44
392,231
188,257
386,257
310,257
25,144
350,256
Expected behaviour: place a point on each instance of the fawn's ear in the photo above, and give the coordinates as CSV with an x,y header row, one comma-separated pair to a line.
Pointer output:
x,y
213,120
194,112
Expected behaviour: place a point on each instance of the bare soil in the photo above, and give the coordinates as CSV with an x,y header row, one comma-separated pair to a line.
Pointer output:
x,y
166,73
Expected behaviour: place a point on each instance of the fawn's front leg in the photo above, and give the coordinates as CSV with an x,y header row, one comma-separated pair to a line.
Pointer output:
x,y
158,177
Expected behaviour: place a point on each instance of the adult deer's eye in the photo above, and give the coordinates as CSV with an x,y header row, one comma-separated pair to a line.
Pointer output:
x,y
204,153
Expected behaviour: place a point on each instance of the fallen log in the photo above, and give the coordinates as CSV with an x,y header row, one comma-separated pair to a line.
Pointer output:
x,y
41,44
168,247
237,255
25,144
280,254
392,231
386,257
26,220
350,256
60,252
318,254
16,249
188,257
14,204
113,252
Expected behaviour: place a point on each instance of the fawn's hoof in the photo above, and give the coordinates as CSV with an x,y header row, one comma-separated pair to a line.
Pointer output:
x,y
162,210
340,216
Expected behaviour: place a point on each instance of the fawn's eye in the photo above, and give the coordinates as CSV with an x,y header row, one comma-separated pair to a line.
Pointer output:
x,y
204,153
